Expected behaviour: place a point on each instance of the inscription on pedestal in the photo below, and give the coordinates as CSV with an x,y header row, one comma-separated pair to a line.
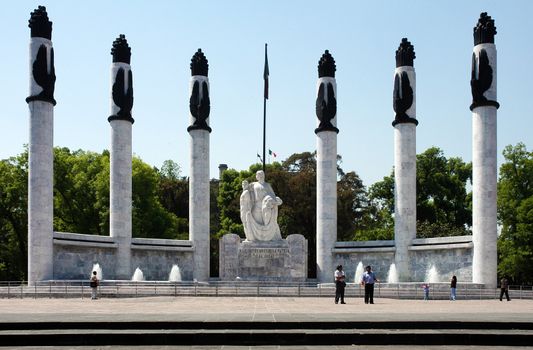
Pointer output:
x,y
281,260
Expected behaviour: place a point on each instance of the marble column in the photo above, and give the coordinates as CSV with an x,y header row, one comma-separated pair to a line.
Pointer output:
x,y
484,153
41,104
326,168
120,220
404,103
199,130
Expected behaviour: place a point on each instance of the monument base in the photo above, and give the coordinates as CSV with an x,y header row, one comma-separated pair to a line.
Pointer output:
x,y
282,260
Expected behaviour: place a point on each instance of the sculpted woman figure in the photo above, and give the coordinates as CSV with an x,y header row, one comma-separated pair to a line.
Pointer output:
x,y
259,210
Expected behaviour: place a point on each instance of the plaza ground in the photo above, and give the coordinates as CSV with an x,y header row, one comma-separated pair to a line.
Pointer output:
x,y
250,309
250,317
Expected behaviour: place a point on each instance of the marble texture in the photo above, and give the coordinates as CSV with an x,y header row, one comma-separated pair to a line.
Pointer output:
x,y
40,176
40,191
199,202
411,74
35,44
326,81
75,254
115,66
404,194
200,79
484,195
490,49
120,211
484,181
326,203
259,210
282,260
449,255
405,182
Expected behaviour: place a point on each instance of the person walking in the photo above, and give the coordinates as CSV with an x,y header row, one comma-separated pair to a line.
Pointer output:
x,y
368,280
425,287
94,282
453,288
504,288
340,284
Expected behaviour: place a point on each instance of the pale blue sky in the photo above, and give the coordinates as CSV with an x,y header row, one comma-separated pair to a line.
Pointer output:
x,y
362,37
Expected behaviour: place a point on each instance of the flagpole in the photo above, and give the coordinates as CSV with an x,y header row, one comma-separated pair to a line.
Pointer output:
x,y
265,96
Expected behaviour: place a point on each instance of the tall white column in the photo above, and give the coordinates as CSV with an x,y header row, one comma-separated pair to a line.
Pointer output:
x,y
404,101
41,154
199,130
326,168
484,153
120,220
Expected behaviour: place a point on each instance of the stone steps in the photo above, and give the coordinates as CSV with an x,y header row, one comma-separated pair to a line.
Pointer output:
x,y
266,333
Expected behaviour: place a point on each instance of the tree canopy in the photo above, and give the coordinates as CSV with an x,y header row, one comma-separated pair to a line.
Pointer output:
x,y
515,214
443,204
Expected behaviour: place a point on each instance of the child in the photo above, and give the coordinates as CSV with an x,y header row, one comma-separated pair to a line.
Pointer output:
x,y
94,286
426,291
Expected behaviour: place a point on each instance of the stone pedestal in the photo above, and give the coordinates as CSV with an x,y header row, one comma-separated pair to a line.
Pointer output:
x,y
279,260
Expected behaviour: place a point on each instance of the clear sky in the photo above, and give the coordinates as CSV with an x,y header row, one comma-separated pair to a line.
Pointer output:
x,y
362,37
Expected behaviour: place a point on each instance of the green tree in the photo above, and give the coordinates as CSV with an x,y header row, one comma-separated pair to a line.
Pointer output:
x,y
441,190
379,223
515,213
150,219
173,194
78,187
443,205
81,195
13,217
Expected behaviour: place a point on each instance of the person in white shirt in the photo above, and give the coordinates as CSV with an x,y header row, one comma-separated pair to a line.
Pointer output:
x,y
339,285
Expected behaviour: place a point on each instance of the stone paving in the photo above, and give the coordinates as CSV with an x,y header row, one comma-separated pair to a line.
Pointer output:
x,y
252,309
256,309
276,347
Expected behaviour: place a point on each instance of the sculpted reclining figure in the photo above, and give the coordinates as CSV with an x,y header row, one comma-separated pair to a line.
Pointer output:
x,y
259,210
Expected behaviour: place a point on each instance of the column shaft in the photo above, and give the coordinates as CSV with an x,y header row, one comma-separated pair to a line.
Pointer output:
x,y
120,221
120,172
199,202
404,195
41,166
326,204
405,123
484,174
40,192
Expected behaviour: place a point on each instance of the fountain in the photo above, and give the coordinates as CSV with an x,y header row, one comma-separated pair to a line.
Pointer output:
x,y
98,269
175,274
359,272
393,274
432,275
138,275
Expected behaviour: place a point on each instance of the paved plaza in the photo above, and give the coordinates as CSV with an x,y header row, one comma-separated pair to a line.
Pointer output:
x,y
250,309
194,318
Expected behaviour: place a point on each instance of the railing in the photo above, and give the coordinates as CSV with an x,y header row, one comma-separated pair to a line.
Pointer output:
x,y
128,289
